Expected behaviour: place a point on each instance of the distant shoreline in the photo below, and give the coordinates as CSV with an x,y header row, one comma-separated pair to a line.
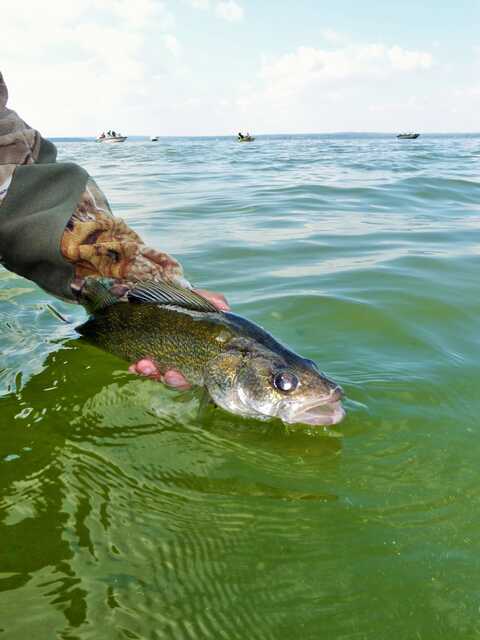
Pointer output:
x,y
339,134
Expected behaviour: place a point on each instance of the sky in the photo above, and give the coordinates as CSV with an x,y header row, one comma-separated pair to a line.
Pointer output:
x,y
215,67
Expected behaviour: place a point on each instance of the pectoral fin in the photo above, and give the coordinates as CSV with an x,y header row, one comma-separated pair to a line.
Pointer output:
x,y
206,403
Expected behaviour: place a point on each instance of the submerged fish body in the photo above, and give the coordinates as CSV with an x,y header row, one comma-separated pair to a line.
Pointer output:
x,y
244,369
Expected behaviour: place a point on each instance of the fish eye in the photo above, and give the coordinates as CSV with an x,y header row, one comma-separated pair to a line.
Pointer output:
x,y
285,381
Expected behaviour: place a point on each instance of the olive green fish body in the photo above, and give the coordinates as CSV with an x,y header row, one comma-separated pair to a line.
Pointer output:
x,y
244,369
174,338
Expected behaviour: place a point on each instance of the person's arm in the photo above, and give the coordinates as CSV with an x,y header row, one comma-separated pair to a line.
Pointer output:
x,y
56,226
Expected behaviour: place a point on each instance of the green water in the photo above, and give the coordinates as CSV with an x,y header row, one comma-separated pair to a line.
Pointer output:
x,y
127,512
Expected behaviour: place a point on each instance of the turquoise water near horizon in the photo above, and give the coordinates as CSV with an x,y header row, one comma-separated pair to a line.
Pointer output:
x,y
128,512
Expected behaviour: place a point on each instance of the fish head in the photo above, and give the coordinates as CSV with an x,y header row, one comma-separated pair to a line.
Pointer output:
x,y
263,385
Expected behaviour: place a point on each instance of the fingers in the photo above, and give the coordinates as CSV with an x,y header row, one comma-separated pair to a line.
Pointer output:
x,y
218,299
175,379
145,367
172,378
162,259
119,290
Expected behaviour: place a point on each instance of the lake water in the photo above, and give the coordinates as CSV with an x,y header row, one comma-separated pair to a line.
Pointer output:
x,y
125,512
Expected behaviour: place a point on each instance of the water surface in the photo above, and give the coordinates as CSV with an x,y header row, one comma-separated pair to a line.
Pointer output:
x,y
125,512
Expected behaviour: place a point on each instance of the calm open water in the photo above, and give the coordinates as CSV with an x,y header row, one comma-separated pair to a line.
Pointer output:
x,y
127,513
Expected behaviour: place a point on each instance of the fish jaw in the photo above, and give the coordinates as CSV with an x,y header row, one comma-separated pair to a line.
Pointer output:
x,y
325,414
325,411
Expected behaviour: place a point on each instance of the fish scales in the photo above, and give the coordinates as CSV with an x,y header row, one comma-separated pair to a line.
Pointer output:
x,y
181,339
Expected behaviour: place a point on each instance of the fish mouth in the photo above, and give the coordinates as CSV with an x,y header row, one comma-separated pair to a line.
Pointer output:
x,y
321,414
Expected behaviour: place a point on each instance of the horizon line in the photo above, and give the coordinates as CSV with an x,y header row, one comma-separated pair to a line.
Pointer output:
x,y
234,135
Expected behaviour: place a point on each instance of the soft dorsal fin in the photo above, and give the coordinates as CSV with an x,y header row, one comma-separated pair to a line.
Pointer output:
x,y
155,292
95,296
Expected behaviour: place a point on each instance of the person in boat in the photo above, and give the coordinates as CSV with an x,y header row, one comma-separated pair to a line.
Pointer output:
x,y
114,135
57,228
240,135
103,135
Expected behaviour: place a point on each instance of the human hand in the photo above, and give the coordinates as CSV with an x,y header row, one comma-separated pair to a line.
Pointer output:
x,y
100,245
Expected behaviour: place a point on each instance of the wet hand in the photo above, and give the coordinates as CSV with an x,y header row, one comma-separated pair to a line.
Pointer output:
x,y
172,378
101,245
218,299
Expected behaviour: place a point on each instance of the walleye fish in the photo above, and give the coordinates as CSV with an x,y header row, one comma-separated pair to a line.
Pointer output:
x,y
243,368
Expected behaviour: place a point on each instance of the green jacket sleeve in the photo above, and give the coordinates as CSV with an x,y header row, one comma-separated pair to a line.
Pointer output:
x,y
39,201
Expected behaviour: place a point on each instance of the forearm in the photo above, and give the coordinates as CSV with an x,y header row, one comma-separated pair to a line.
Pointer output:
x,y
56,226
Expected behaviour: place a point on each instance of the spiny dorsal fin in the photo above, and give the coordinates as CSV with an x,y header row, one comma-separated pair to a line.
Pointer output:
x,y
95,296
155,292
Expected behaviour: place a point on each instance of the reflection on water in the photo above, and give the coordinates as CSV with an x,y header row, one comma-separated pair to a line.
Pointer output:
x,y
131,511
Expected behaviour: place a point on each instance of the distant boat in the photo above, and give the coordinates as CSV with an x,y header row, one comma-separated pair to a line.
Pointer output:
x,y
245,138
110,138
407,136
154,138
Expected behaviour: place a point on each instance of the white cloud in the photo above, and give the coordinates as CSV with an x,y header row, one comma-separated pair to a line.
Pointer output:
x,y
411,104
137,14
292,72
172,44
468,92
333,88
71,64
333,37
200,4
229,10
476,54
404,60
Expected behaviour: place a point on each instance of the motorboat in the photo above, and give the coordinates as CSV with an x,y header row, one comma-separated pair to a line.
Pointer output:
x,y
407,136
245,138
154,139
109,138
